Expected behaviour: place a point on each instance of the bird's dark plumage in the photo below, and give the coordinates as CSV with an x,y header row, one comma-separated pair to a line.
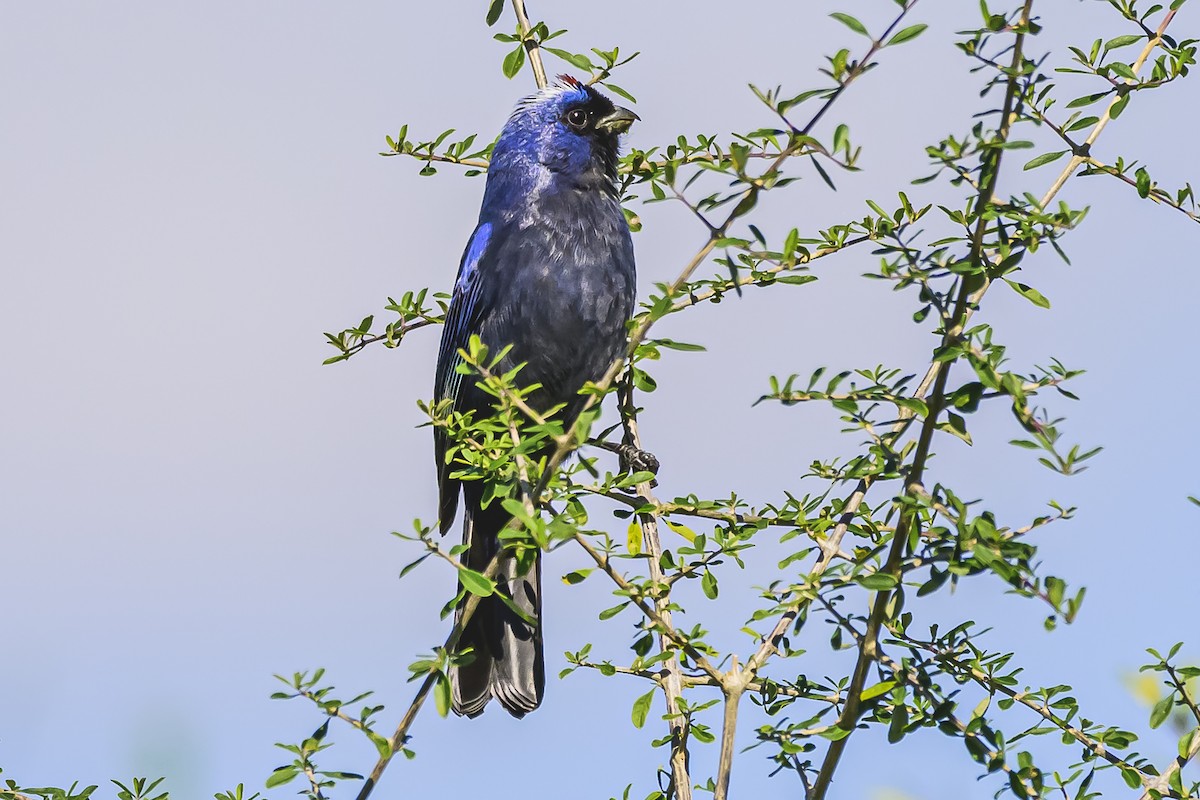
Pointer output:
x,y
549,270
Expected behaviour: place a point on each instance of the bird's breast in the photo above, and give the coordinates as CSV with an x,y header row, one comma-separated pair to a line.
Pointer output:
x,y
568,291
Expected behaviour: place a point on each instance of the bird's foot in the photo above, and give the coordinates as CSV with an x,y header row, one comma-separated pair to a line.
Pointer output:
x,y
637,460
632,458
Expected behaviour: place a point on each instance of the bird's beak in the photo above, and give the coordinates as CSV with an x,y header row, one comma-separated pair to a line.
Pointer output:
x,y
618,121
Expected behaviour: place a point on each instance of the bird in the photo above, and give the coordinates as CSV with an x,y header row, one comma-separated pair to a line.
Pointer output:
x,y
549,273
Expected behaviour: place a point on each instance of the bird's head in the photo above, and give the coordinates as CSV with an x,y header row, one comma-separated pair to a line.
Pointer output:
x,y
568,128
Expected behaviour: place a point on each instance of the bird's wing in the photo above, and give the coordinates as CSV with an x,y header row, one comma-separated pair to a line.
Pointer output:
x,y
468,305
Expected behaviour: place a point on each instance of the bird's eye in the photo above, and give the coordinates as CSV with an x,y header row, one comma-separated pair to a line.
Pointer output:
x,y
577,118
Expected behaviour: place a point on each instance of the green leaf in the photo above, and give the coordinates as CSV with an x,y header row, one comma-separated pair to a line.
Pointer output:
x,y
578,576
850,22
441,694
1029,293
381,744
684,346
1045,158
1122,41
956,425
1185,743
898,724
574,59
708,582
609,613
841,138
494,12
514,61
876,690
281,776
911,32
475,583
1162,710
1143,182
619,91
641,708
877,581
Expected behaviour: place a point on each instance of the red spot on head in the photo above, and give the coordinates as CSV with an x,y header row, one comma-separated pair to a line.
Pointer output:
x,y
570,81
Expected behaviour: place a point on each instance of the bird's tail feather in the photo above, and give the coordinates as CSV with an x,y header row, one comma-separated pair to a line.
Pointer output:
x,y
518,676
508,660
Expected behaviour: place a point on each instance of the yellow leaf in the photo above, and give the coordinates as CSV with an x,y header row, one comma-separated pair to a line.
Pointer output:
x,y
682,530
633,539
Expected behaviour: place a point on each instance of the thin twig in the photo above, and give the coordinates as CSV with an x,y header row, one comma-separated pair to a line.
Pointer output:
x,y
950,661
1185,695
1079,157
635,597
400,736
531,45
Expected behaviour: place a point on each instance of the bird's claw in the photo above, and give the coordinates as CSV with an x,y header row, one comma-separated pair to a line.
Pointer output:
x,y
636,460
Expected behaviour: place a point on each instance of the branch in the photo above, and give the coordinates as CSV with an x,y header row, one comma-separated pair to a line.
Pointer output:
x,y
602,561
750,280
1184,694
732,687
1162,784
1077,158
397,740
531,45
967,297
672,684
947,659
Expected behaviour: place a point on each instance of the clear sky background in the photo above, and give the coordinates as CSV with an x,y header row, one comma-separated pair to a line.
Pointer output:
x,y
190,502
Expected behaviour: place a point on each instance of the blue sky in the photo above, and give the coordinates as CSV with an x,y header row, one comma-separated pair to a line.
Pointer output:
x,y
191,502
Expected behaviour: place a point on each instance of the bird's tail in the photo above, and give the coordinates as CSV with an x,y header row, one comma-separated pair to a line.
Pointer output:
x,y
508,661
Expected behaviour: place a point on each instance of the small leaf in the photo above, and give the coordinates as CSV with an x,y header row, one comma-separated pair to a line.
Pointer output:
x,y
1143,183
1162,710
877,581
578,576
1118,107
475,583
1045,158
1122,41
876,690
494,12
441,694
690,535
911,32
633,538
708,582
281,776
1029,293
641,708
514,61
575,60
850,22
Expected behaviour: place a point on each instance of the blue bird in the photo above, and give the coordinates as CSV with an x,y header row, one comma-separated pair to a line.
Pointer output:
x,y
549,270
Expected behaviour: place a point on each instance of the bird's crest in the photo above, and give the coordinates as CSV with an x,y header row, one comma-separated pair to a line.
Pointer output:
x,y
563,84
